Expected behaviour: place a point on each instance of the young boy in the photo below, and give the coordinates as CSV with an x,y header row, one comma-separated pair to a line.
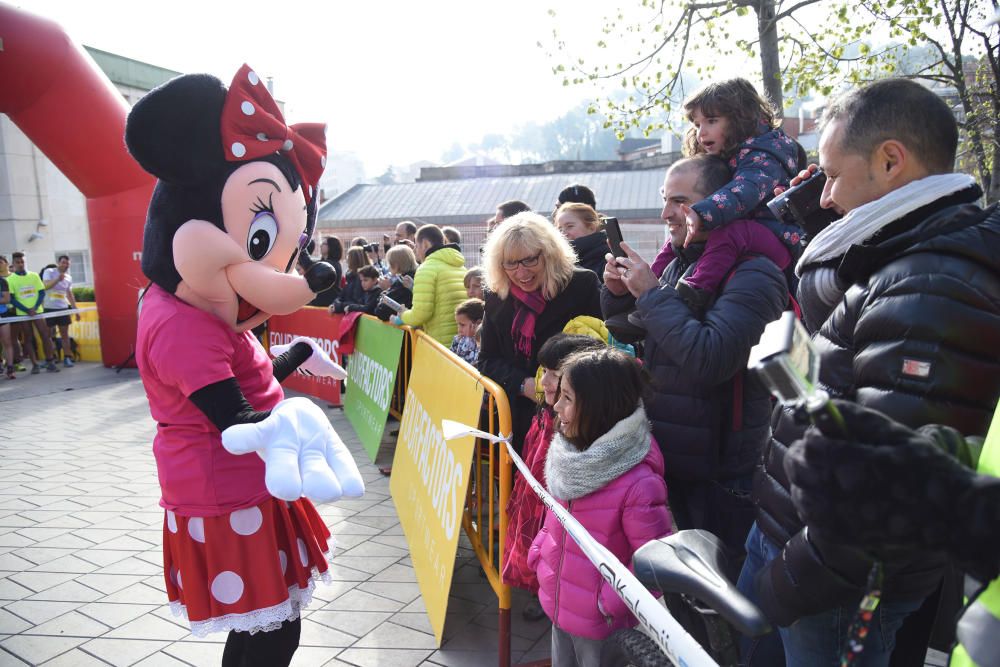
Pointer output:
x,y
474,282
468,316
369,276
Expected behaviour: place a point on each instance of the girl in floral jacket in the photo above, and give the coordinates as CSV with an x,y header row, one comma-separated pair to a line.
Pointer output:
x,y
605,468
732,121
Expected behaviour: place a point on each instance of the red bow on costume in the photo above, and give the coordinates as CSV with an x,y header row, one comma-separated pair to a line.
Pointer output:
x,y
253,127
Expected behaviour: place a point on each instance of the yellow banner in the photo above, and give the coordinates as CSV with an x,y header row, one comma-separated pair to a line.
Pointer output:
x,y
86,333
430,475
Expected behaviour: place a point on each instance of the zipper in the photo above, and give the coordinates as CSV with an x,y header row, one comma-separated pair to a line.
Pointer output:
x,y
562,556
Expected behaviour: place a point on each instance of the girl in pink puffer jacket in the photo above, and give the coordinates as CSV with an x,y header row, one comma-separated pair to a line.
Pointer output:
x,y
605,468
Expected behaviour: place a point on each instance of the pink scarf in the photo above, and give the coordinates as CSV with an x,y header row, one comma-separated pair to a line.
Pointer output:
x,y
527,307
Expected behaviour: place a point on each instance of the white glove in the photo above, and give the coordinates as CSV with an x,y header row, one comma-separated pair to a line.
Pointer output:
x,y
303,455
318,363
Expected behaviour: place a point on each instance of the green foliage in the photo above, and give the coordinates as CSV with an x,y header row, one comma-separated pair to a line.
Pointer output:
x,y
820,46
84,294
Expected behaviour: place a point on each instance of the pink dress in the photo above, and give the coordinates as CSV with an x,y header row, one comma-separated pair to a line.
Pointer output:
x,y
234,557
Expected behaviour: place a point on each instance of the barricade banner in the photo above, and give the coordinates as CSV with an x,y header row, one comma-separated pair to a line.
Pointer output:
x,y
86,332
430,475
318,324
372,370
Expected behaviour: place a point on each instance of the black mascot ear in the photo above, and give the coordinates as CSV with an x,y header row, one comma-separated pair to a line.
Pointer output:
x,y
173,132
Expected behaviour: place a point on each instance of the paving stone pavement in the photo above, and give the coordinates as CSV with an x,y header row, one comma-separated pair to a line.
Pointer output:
x,y
81,579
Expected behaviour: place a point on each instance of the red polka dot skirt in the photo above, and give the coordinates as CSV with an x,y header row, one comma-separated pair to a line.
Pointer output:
x,y
249,571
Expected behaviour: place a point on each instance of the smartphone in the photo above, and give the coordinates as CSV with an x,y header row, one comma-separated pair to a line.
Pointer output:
x,y
615,239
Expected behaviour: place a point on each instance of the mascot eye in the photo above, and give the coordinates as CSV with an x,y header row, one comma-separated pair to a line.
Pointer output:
x,y
262,234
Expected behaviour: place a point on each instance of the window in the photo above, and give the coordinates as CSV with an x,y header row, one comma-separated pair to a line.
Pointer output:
x,y
79,266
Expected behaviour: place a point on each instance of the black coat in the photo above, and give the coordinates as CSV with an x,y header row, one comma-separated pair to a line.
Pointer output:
x,y
502,363
915,336
590,251
399,293
352,293
709,416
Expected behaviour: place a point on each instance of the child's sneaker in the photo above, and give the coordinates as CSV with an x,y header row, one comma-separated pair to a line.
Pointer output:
x,y
19,367
35,369
10,373
696,299
68,363
51,367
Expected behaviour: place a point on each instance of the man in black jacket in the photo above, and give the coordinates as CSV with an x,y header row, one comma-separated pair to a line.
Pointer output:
x,y
910,284
710,418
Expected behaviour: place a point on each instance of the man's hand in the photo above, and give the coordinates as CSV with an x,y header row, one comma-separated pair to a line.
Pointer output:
x,y
635,273
32,312
303,455
318,363
612,276
803,175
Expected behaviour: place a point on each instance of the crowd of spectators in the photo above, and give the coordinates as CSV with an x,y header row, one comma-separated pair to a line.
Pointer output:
x,y
29,306
901,294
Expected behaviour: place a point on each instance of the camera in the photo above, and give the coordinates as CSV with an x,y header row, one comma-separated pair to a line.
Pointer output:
x,y
799,205
371,247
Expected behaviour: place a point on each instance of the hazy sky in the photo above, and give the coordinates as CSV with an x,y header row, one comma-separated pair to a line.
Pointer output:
x,y
397,80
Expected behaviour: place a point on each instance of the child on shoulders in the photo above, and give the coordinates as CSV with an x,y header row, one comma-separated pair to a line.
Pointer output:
x,y
732,120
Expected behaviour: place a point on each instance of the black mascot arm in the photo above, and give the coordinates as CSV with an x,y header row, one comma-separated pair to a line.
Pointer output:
x,y
225,405
285,364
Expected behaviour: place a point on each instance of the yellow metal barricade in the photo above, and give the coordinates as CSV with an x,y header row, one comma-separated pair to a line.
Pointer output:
x,y
485,517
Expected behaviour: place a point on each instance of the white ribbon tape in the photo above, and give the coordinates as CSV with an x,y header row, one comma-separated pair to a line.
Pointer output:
x,y
680,647
47,314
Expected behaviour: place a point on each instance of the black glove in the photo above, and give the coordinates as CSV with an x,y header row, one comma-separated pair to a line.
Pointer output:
x,y
898,493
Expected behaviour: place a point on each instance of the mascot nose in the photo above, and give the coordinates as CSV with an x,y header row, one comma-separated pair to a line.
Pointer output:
x,y
319,275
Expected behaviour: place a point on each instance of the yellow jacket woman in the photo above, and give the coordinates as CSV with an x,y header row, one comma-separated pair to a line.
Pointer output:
x,y
438,286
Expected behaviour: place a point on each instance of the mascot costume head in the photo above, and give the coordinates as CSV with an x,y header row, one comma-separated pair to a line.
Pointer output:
x,y
235,203
231,213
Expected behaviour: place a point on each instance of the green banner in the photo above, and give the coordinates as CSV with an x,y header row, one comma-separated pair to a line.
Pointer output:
x,y
372,370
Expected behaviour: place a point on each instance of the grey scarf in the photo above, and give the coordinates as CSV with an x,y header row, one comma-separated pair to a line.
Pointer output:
x,y
820,290
573,474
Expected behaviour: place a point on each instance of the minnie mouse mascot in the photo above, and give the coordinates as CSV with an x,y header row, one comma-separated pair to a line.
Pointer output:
x,y
231,212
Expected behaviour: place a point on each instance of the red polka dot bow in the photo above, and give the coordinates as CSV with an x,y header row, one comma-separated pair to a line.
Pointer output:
x,y
253,127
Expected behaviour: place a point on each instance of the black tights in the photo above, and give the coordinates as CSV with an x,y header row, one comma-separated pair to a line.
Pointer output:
x,y
262,649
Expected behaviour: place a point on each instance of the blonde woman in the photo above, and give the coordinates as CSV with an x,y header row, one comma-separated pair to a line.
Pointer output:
x,y
533,289
581,224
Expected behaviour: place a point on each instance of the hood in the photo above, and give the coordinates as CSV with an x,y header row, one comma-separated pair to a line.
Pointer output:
x,y
447,254
954,225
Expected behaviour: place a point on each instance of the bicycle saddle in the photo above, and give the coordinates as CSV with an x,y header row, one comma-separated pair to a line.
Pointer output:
x,y
692,562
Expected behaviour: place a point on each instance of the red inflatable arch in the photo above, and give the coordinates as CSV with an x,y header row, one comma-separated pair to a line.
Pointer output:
x,y
65,104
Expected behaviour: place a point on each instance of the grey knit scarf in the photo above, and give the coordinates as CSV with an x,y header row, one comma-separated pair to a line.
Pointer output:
x,y
573,474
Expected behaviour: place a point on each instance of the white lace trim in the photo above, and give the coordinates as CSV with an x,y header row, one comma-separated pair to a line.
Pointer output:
x,y
258,620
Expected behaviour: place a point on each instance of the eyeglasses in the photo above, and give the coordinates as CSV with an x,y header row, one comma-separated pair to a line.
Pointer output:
x,y
526,262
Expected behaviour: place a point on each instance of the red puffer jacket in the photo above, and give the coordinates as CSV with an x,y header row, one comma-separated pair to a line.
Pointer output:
x,y
622,515
524,509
